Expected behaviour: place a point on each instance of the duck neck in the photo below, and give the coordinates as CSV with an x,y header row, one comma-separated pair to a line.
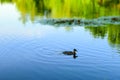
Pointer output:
x,y
74,53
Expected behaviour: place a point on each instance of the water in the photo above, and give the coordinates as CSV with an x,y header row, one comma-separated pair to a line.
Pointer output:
x,y
33,51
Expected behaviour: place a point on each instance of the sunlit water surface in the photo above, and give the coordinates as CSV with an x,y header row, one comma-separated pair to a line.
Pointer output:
x,y
33,51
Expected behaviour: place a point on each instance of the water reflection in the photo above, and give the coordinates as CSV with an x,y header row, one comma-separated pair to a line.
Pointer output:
x,y
112,31
32,51
65,9
98,31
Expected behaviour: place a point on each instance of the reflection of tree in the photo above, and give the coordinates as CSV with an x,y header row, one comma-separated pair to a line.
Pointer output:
x,y
98,31
4,1
65,9
113,32
108,3
39,6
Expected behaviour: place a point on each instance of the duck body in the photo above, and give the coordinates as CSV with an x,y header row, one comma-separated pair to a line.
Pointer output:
x,y
70,52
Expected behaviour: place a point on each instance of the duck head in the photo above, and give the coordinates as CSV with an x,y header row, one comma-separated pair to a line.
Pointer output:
x,y
74,55
75,50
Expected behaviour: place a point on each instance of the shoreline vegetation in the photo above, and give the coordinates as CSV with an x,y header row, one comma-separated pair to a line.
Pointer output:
x,y
81,22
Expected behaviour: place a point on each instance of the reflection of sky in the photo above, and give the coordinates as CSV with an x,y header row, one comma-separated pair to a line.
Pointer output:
x,y
11,25
8,14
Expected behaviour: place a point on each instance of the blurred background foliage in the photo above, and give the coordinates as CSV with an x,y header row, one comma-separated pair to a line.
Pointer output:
x,y
66,9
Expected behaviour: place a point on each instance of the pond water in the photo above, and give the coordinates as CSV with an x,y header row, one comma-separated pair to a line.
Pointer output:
x,y
34,51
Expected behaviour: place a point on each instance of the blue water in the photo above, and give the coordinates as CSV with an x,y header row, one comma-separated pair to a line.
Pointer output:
x,y
33,51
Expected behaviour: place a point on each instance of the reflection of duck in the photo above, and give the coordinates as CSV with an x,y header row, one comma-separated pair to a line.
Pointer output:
x,y
71,53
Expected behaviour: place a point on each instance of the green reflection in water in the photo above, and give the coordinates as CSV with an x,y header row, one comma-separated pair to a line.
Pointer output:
x,y
112,31
65,8
114,35
32,9
98,31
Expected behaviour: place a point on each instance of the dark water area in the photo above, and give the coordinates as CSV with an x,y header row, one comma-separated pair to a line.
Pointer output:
x,y
30,50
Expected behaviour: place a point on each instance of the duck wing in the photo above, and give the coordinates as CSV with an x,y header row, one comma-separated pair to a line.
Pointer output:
x,y
68,53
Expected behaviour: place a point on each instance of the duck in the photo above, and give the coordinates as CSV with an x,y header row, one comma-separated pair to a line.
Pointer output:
x,y
70,52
